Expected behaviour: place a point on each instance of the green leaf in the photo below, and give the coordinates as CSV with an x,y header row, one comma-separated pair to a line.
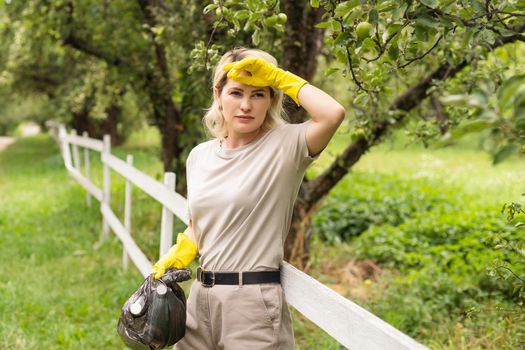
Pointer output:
x,y
367,46
254,17
271,21
454,100
241,15
393,52
252,5
209,8
488,36
324,25
340,54
507,90
399,11
392,28
446,3
505,152
446,23
331,71
314,3
430,3
477,6
373,16
340,10
344,8
470,127
474,100
427,21
353,15
421,33
336,26
256,37
343,38
519,117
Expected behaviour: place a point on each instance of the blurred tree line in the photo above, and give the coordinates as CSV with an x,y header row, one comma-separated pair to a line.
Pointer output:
x,y
445,67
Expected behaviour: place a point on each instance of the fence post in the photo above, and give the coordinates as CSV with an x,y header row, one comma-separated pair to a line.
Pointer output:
x,y
106,194
86,168
76,157
64,146
166,229
127,212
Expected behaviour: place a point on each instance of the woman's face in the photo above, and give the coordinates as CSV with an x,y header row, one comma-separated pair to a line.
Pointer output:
x,y
244,107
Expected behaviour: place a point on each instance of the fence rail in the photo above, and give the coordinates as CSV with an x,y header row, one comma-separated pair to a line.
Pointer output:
x,y
347,322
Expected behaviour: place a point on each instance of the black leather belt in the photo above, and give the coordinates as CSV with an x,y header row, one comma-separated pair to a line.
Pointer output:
x,y
211,278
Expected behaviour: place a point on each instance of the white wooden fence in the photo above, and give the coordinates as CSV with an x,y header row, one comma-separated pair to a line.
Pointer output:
x,y
347,322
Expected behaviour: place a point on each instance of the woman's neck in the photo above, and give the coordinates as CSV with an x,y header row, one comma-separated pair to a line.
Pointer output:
x,y
234,140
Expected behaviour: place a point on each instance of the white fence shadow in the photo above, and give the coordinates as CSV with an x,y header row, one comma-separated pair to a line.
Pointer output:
x,y
348,323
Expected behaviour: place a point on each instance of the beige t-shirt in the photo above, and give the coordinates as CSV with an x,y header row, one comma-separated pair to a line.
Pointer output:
x,y
241,200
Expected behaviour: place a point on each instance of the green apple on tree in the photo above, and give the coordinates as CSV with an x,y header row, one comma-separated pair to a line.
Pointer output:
x,y
363,30
282,18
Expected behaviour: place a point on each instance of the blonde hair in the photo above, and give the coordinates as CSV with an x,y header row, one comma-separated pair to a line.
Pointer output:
x,y
214,119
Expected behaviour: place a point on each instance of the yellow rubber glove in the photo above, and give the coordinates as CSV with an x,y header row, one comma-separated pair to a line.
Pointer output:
x,y
179,256
263,73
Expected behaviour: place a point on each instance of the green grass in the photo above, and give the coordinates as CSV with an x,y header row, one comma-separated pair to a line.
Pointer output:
x,y
60,288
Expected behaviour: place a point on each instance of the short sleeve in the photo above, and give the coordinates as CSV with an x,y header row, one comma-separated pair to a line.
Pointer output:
x,y
294,138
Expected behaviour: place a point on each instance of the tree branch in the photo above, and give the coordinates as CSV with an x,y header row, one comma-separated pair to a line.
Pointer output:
x,y
382,48
513,14
440,115
83,45
412,60
317,188
511,38
351,66
87,48
160,51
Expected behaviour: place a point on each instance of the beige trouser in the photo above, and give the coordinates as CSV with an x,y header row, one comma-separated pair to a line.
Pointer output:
x,y
234,317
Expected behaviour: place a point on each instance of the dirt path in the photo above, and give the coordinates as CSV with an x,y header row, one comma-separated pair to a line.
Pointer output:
x,y
6,141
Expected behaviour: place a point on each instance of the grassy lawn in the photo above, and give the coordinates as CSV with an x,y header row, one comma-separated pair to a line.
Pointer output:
x,y
61,288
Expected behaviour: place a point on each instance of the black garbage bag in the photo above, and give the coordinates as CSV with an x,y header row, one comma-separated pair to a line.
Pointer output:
x,y
154,317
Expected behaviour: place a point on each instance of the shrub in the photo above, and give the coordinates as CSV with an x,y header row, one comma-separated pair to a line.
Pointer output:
x,y
417,300
456,246
365,200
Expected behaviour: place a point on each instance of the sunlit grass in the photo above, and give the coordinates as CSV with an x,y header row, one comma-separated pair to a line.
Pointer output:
x,y
59,290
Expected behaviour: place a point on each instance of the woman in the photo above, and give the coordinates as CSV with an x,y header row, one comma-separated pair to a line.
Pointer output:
x,y
242,186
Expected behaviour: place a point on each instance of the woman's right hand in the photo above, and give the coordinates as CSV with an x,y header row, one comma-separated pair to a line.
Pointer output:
x,y
179,256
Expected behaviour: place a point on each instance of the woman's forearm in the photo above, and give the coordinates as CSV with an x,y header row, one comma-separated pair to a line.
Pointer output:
x,y
326,113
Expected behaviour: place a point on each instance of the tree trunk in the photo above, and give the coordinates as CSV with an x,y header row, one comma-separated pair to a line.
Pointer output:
x,y
441,118
96,129
302,46
110,124
166,114
81,121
